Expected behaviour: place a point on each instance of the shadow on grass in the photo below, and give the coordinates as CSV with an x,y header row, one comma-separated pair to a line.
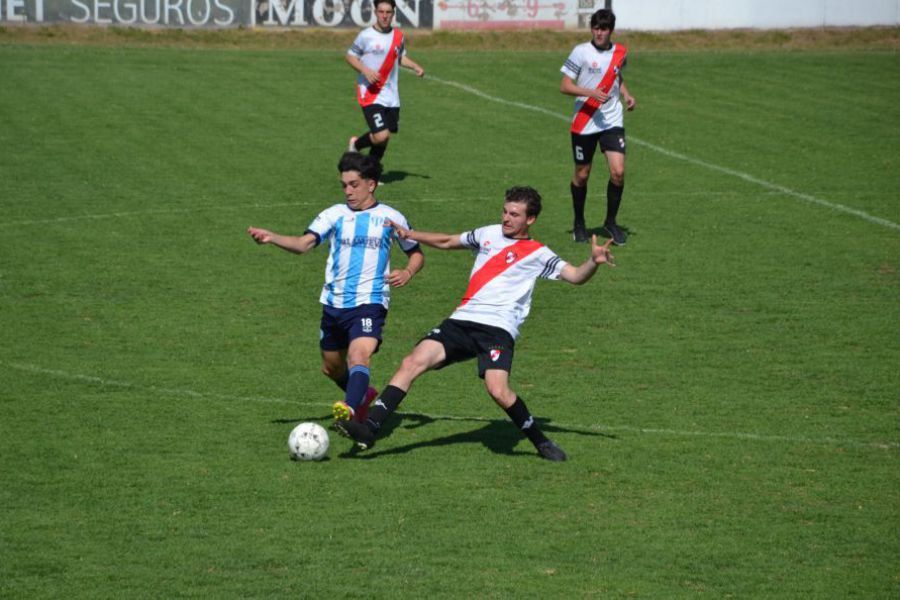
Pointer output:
x,y
601,234
395,176
499,436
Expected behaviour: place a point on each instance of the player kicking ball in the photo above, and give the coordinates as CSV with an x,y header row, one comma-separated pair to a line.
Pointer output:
x,y
486,323
358,278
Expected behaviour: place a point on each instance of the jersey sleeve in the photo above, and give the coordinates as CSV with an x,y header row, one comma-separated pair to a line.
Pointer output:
x,y
553,265
572,67
471,239
358,45
405,245
323,224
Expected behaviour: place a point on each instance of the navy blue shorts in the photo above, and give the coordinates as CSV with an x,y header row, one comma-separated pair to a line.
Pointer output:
x,y
340,326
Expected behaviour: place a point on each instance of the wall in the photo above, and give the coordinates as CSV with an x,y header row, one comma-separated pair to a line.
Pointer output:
x,y
762,14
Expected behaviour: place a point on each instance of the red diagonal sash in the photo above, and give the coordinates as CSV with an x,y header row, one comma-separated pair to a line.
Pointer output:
x,y
591,105
373,89
497,264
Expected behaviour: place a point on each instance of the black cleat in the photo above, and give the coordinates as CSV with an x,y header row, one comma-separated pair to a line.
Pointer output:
x,y
615,232
358,432
551,451
579,233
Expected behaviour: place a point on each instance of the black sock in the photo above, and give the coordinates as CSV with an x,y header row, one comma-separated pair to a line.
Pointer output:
x,y
519,414
579,196
342,382
613,200
384,406
363,141
378,151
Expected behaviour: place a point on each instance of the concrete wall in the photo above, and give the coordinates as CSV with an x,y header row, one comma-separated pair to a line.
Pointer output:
x,y
762,14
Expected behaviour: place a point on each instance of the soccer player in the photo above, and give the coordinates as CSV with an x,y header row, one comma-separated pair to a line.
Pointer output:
x,y
486,323
358,278
377,54
593,74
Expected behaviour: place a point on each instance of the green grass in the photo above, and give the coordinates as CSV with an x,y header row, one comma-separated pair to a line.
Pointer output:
x,y
728,395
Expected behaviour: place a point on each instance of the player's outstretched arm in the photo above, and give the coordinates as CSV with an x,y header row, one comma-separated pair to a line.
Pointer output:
x,y
600,255
296,244
442,241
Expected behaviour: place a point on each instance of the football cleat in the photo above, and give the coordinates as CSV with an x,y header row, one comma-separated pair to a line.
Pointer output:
x,y
551,451
360,433
341,411
615,232
579,233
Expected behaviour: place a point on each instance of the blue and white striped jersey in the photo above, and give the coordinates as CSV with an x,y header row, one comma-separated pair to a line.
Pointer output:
x,y
359,255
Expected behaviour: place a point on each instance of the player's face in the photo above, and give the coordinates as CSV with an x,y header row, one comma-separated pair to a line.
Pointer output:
x,y
358,190
515,222
384,14
601,36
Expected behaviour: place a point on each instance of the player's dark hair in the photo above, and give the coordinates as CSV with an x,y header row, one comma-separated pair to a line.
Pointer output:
x,y
391,2
603,19
367,166
528,196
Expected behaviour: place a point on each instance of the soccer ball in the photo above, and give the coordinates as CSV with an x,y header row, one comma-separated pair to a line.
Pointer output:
x,y
308,441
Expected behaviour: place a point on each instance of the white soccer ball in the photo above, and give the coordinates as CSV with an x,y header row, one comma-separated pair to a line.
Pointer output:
x,y
308,441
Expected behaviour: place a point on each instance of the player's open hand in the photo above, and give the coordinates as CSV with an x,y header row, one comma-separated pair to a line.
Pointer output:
x,y
260,236
400,231
399,277
601,254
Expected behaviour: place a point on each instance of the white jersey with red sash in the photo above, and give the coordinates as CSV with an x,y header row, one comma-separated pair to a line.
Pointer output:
x,y
380,52
592,68
503,277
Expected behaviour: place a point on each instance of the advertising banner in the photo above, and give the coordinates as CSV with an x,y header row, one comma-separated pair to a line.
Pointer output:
x,y
212,13
504,14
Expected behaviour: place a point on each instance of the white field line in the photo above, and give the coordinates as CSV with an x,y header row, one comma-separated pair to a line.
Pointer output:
x,y
695,161
193,394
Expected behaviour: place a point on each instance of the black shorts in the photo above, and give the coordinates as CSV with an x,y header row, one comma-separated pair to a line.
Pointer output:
x,y
381,117
462,340
340,326
609,140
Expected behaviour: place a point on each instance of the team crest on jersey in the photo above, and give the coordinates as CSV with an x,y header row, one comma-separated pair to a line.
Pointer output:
x,y
511,257
495,354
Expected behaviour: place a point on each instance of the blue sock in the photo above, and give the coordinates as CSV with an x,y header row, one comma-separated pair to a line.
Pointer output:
x,y
357,385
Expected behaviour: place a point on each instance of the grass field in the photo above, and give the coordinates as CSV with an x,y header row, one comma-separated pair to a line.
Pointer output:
x,y
728,395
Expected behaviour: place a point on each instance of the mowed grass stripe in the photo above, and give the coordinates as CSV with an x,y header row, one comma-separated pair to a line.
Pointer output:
x,y
677,155
205,395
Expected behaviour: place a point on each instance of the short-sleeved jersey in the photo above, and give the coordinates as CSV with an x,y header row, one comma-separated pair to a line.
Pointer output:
x,y
359,255
586,66
503,277
371,47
